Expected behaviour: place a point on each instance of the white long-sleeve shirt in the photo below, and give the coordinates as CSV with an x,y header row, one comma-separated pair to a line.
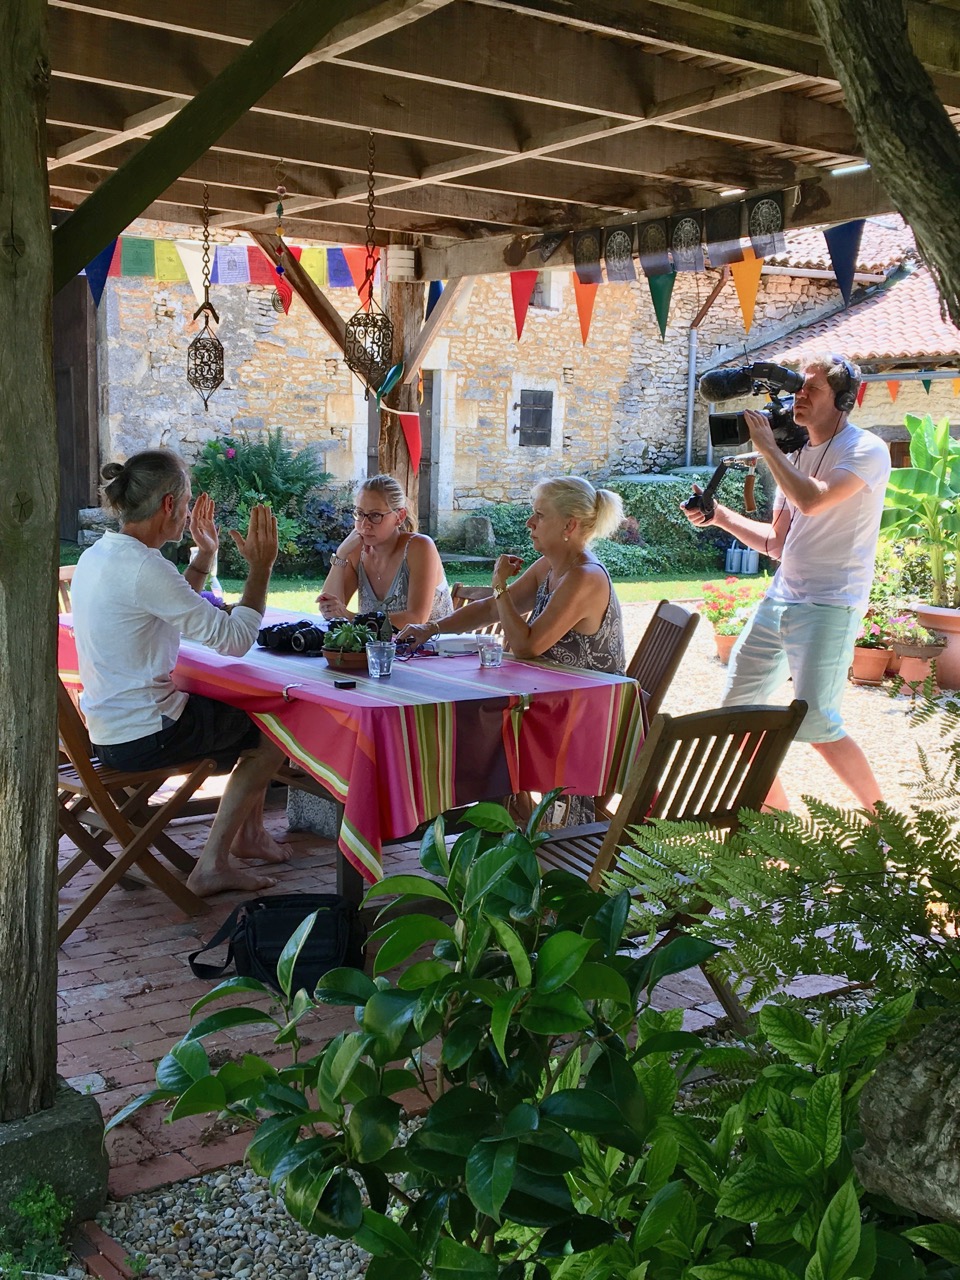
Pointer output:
x,y
130,609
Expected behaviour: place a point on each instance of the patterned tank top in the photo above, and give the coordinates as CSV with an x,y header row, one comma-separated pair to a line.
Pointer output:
x,y
396,595
602,651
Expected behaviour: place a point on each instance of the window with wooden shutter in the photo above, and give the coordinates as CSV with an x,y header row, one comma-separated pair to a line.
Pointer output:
x,y
536,418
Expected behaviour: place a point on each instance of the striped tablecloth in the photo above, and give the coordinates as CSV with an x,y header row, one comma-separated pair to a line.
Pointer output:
x,y
440,732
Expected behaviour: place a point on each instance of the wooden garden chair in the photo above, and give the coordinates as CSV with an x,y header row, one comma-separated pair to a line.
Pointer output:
x,y
705,767
65,578
97,804
461,595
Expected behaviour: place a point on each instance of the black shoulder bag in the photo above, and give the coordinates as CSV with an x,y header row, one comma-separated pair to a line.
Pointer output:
x,y
257,931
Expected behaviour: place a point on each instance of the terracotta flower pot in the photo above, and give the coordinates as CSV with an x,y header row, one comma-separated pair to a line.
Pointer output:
x,y
869,665
343,660
724,645
946,621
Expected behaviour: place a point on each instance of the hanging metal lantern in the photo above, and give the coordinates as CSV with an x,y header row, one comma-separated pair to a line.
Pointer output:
x,y
205,352
368,341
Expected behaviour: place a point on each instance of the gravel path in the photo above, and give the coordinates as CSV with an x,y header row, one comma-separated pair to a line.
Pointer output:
x,y
226,1224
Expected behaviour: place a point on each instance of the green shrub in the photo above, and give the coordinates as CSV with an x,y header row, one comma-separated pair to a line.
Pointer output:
x,y
622,561
33,1242
233,470
510,532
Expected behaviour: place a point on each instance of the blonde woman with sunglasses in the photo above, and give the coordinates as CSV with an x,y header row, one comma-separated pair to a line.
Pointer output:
x,y
388,564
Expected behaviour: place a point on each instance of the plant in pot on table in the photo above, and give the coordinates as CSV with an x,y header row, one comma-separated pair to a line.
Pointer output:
x,y
345,644
728,605
923,502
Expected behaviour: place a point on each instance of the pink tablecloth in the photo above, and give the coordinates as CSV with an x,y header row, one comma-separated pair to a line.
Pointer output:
x,y
439,732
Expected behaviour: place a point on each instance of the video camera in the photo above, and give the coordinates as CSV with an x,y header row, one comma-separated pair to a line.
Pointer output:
x,y
727,430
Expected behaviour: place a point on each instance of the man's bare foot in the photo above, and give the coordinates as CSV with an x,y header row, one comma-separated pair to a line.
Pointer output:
x,y
205,882
259,846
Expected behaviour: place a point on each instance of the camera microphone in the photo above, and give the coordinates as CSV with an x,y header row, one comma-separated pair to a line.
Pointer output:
x,y
725,384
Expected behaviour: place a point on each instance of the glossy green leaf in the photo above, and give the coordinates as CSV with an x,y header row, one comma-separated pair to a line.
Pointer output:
x,y
549,1150
391,1267
939,1238
658,1215
387,1015
372,1127
314,1151
822,1121
597,981
183,1064
491,1167
500,1017
225,1019
489,817
302,1191
229,987
538,1201
754,1193
340,1060
796,1151
339,1210
868,1035
514,948
789,1032
742,1269
521,1121
456,1261
560,956
145,1100
415,886
485,872
683,952
583,1111
460,1043
458,1119
291,952
385,1238
661,1161
609,922
204,1095
580,1234
557,1013
424,973
838,1240
399,938
275,1138
668,1042
344,986
433,850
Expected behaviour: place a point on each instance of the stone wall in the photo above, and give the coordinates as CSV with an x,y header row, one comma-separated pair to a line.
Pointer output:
x,y
619,402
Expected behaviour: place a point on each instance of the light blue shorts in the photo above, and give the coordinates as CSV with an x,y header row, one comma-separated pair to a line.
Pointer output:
x,y
810,643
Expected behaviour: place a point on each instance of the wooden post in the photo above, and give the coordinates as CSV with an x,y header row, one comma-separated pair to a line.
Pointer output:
x,y
403,303
29,465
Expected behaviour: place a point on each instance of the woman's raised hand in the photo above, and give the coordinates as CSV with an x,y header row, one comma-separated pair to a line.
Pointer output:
x,y
505,568
331,606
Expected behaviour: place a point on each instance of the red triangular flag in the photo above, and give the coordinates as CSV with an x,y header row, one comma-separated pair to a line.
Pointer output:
x,y
861,393
522,285
893,386
586,295
410,425
356,259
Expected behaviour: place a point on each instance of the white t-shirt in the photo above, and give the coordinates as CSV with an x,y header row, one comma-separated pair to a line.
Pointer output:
x,y
130,608
828,557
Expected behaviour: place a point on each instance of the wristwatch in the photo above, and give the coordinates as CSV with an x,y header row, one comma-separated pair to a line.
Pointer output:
x,y
499,591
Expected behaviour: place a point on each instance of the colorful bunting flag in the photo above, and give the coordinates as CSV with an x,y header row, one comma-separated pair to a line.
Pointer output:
x,y
433,296
137,257
765,223
686,242
191,255
653,247
661,291
97,271
844,245
586,296
114,269
586,256
618,254
722,233
338,273
232,265
861,392
314,263
356,257
746,277
925,383
893,386
410,426
169,265
956,386
522,285
260,268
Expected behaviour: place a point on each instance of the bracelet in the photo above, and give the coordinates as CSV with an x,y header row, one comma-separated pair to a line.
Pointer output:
x,y
498,592
193,565
338,562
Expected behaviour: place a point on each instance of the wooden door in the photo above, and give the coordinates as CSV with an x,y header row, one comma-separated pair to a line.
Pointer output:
x,y
75,380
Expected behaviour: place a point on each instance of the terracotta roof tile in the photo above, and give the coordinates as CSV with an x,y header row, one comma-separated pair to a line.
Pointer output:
x,y
900,322
886,241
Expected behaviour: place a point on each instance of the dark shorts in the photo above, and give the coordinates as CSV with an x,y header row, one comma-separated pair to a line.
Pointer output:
x,y
206,729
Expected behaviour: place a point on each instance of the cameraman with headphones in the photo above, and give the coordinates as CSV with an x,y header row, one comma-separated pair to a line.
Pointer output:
x,y
826,517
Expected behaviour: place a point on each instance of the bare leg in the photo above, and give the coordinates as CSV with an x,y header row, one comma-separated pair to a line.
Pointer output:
x,y
214,872
777,798
253,839
848,762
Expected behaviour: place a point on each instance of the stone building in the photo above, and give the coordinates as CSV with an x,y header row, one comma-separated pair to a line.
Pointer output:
x,y
496,413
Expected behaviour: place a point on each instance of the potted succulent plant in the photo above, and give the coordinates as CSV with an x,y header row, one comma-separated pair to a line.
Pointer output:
x,y
346,642
871,651
728,605
923,501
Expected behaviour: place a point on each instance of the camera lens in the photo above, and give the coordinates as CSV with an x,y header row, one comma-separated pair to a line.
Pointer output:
x,y
309,640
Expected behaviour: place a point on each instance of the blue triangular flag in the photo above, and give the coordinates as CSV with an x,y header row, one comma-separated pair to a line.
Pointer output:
x,y
433,296
97,271
844,245
338,273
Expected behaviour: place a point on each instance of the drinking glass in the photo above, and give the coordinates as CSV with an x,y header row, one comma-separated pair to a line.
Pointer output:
x,y
491,651
380,655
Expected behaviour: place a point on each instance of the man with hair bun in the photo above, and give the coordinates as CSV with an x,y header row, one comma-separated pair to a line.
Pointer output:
x,y
826,518
130,609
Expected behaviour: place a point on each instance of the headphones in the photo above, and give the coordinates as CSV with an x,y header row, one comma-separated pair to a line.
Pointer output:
x,y
845,400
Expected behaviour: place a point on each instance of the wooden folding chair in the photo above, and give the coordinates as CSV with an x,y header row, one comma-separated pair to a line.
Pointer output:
x,y
65,578
705,767
97,804
461,595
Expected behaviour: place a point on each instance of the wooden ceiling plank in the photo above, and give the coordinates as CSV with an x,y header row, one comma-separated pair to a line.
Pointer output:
x,y
123,196
141,125
454,292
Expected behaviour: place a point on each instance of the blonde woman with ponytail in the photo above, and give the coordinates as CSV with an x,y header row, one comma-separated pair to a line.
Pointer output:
x,y
574,614
386,562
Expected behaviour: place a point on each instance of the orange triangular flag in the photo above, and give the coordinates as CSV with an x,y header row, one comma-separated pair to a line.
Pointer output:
x,y
893,386
956,386
746,277
586,295
522,285
861,393
356,259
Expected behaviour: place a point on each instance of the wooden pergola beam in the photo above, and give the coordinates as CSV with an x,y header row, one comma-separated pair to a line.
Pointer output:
x,y
124,196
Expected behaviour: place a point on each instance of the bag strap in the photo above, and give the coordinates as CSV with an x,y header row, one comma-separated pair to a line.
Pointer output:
x,y
226,930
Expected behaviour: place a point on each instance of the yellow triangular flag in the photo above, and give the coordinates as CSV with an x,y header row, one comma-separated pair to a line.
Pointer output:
x,y
169,265
314,263
746,277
